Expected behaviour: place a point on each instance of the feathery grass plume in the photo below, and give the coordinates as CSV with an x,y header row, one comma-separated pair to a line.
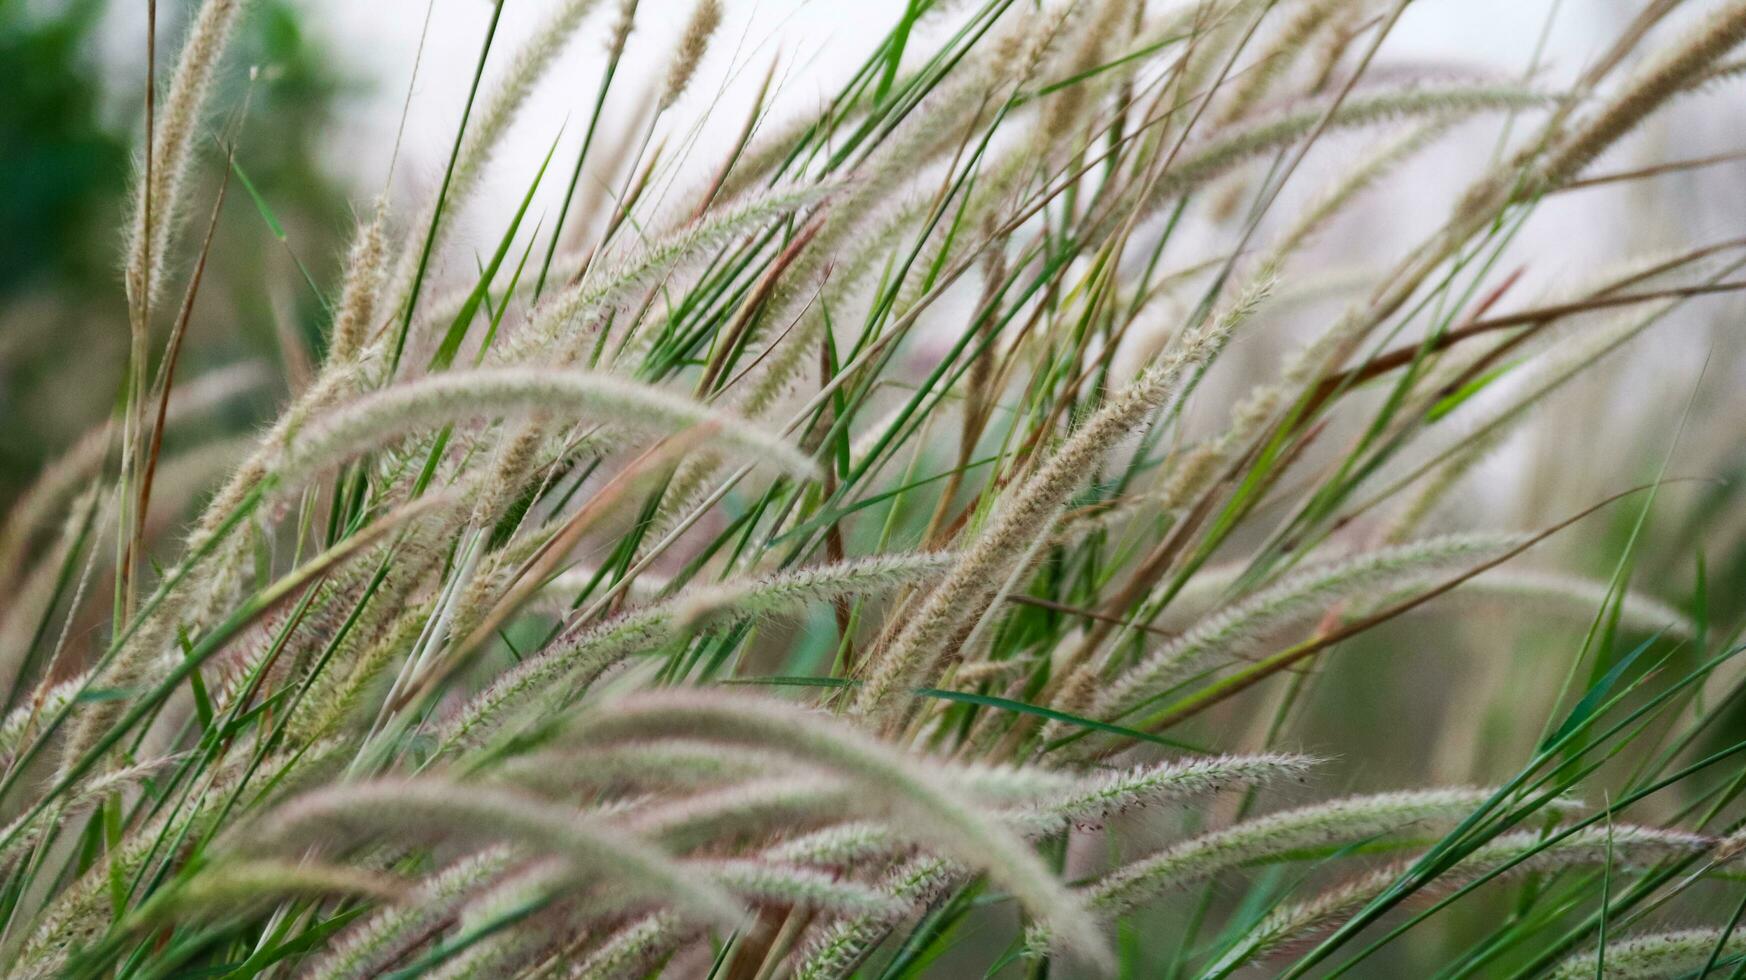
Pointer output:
x,y
456,396
1354,181
337,380
485,131
1106,796
842,846
25,831
855,268
1096,800
230,887
1212,36
1552,590
557,596
1247,302
286,639
335,695
153,651
938,125
1560,364
387,935
81,913
633,951
920,649
158,199
614,282
517,458
1350,820
677,765
46,703
786,355
508,924
785,591
632,769
582,653
897,783
130,670
1521,852
1276,59
774,884
1661,954
1219,154
1574,595
841,945
418,806
1233,631
1066,109
1022,46
693,45
846,246
761,806
1211,339
1673,71
355,315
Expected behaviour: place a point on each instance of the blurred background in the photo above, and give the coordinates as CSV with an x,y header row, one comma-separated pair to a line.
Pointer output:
x,y
322,111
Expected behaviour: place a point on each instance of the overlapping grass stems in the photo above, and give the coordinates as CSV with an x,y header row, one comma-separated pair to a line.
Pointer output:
x,y
476,665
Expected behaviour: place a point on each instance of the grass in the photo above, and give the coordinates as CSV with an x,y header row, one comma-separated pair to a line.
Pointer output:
x,y
857,556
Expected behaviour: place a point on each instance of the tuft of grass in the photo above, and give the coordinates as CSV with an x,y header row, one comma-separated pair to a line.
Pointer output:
x,y
937,533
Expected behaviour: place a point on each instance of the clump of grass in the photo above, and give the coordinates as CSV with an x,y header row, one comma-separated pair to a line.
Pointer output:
x,y
713,594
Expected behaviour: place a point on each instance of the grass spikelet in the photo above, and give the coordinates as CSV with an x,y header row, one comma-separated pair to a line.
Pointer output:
x,y
761,806
420,806
489,123
1672,72
1096,800
46,703
823,583
1577,596
673,765
1342,821
1222,153
1277,58
158,200
383,937
960,830
693,45
1233,631
457,396
633,768
841,945
617,280
842,846
81,913
230,887
335,695
1661,954
773,884
915,654
1145,786
355,315
575,658
632,951
24,831
1620,847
